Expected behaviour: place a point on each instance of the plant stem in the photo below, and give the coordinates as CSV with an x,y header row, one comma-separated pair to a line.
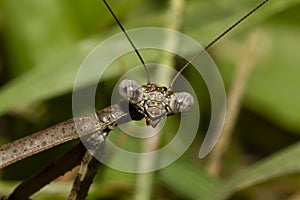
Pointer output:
x,y
235,98
144,182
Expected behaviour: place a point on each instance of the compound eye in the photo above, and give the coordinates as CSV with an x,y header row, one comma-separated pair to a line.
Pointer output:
x,y
128,89
181,102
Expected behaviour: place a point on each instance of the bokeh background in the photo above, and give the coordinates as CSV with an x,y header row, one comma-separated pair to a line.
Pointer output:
x,y
42,44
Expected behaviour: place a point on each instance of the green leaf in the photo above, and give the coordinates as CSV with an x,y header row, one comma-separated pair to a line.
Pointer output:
x,y
280,164
55,77
187,179
272,89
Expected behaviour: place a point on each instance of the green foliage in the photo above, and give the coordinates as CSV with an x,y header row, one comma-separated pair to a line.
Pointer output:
x,y
44,42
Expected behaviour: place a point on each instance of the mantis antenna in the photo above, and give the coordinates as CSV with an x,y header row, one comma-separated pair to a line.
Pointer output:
x,y
130,41
215,40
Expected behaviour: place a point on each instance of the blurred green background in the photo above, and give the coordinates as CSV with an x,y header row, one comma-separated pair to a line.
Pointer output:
x,y
42,44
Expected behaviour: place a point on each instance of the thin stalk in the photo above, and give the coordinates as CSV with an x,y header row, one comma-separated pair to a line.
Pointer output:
x,y
144,182
235,98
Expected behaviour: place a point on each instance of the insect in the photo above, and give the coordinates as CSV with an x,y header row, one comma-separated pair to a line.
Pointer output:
x,y
149,101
